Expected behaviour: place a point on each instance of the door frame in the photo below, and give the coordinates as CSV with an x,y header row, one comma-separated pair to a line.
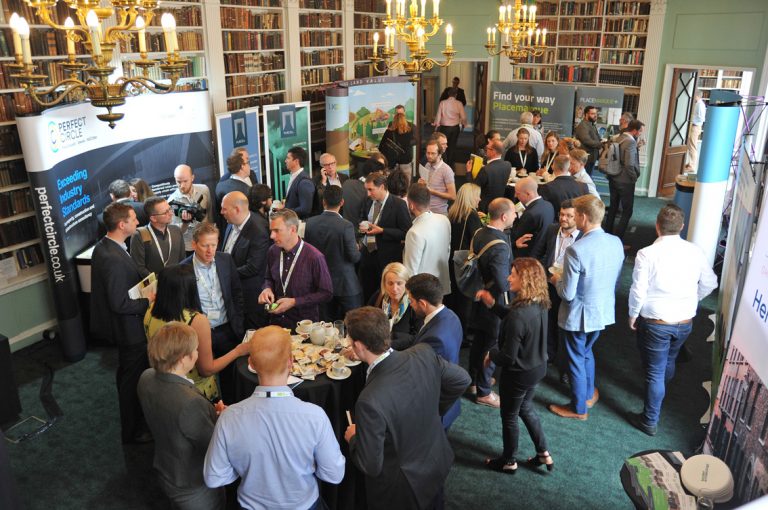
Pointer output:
x,y
669,120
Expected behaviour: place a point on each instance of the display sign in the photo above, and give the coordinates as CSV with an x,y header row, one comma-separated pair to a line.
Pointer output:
x,y
239,128
285,126
509,100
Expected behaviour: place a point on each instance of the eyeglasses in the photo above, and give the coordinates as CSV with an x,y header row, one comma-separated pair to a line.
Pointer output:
x,y
332,163
167,211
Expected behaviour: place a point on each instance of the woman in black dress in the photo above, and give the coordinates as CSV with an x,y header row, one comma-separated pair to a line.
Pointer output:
x,y
522,156
396,143
393,299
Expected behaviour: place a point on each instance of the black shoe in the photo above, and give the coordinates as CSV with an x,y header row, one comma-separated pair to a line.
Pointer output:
x,y
636,420
143,438
565,379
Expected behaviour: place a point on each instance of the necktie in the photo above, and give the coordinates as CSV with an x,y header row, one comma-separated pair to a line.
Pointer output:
x,y
371,239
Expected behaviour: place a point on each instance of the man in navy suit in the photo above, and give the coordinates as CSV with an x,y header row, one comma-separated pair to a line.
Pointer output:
x,y
528,231
241,178
493,177
564,185
587,287
247,240
442,328
300,194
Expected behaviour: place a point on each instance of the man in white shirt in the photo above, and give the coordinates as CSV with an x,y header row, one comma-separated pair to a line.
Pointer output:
x,y
300,191
697,122
428,241
669,279
535,140
579,158
439,179
187,192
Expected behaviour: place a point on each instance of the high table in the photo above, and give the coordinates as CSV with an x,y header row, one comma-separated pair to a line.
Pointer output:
x,y
335,397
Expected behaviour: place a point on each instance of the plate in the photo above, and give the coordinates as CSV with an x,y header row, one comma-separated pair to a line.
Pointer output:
x,y
347,373
250,369
348,362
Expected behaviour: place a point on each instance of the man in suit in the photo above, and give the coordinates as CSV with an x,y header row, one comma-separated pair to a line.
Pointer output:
x,y
493,177
300,193
180,418
563,186
442,328
587,287
586,133
120,192
428,241
118,318
159,244
398,442
622,186
239,167
494,268
385,222
528,231
460,94
327,176
335,238
247,240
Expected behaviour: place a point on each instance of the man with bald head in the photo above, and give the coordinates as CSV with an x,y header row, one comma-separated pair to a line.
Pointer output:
x,y
275,443
528,231
246,239
187,192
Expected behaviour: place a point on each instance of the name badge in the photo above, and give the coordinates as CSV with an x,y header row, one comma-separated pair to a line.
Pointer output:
x,y
214,315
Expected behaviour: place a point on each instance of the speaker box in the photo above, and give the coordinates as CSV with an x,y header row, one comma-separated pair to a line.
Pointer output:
x,y
9,391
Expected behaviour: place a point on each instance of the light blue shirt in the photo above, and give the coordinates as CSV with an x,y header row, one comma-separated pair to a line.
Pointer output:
x,y
209,290
278,446
699,113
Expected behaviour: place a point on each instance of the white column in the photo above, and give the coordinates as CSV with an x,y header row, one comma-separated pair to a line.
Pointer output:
x,y
348,37
292,51
214,55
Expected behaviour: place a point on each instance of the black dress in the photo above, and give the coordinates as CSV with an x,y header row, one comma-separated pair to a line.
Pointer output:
x,y
396,147
405,330
528,160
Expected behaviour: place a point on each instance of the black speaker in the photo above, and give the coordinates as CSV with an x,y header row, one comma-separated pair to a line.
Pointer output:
x,y
10,405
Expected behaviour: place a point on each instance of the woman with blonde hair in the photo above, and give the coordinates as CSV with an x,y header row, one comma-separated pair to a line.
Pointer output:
x,y
393,299
465,221
396,143
522,355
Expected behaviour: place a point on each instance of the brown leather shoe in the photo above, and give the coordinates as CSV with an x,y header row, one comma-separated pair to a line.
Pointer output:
x,y
592,401
565,412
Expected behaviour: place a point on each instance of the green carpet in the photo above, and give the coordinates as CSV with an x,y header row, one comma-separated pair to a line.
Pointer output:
x,y
79,463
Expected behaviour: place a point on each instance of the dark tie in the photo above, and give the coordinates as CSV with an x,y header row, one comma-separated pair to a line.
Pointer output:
x,y
371,243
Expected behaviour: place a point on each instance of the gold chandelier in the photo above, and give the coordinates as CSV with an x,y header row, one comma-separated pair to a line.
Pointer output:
x,y
415,30
520,37
92,81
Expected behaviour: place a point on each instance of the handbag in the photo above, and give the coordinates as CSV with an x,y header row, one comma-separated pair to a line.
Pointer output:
x,y
466,270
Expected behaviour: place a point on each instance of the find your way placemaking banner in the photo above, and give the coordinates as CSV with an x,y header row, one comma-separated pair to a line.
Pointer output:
x,y
509,100
71,157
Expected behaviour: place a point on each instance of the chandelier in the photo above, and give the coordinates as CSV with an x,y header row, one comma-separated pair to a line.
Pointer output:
x,y
84,81
415,30
520,37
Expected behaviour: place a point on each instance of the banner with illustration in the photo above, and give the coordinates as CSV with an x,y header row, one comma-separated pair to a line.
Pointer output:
x,y
608,100
235,129
509,100
285,125
72,157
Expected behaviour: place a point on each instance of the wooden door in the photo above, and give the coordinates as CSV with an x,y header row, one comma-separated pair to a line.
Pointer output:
x,y
676,134
481,88
430,95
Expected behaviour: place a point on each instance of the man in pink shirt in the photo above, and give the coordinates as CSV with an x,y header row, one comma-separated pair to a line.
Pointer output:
x,y
450,120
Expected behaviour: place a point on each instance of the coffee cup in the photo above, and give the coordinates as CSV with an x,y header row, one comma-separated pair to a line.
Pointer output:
x,y
337,368
365,225
303,326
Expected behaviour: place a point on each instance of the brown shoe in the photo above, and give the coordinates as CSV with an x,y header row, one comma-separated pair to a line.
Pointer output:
x,y
592,401
490,400
565,412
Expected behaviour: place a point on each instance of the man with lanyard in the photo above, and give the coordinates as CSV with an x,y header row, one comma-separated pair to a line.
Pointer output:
x,y
440,180
275,443
188,192
159,244
297,280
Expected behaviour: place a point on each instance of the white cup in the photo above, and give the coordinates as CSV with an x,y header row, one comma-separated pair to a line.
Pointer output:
x,y
317,335
337,368
365,225
303,326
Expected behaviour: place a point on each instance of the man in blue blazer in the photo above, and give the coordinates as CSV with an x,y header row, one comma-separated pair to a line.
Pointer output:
x,y
587,287
442,328
528,231
300,195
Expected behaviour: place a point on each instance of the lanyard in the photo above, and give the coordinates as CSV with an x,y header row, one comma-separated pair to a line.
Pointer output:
x,y
550,159
272,394
523,159
159,250
290,269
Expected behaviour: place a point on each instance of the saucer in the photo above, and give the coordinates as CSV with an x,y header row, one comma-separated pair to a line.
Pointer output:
x,y
348,362
250,368
347,373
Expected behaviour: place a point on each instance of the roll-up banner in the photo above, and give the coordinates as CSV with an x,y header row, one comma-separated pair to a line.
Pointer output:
x,y
71,158
509,100
285,126
236,129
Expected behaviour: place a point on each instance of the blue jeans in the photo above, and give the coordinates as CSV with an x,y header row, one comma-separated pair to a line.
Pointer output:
x,y
659,346
581,367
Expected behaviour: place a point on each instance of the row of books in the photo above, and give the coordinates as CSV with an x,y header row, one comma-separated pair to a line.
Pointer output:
x,y
631,103
254,84
634,57
622,8
16,232
550,24
12,172
621,77
29,256
195,67
367,71
365,38
731,84
624,41
370,5
254,101
190,40
253,3
320,20
333,5
578,39
581,24
321,76
546,9
316,95
10,145
15,202
548,57
533,73
362,53
579,54
322,57
15,104
254,62
43,42
581,8
238,41
576,74
233,17
367,21
314,39
626,25
190,16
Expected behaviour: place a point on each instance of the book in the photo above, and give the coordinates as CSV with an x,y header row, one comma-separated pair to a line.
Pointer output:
x,y
145,288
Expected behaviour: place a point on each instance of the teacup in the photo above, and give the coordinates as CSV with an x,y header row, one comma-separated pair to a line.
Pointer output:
x,y
365,225
303,326
337,368
317,335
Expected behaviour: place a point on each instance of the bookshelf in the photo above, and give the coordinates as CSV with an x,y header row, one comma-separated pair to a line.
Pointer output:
x,y
368,18
718,79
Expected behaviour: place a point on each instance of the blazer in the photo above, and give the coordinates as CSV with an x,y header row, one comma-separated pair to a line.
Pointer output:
x,y
547,258
395,220
226,175
562,188
181,421
428,247
148,258
492,179
335,238
354,195
301,195
444,334
586,133
115,316
591,271
250,256
531,159
231,290
538,215
494,268
317,180
227,186
138,208
399,443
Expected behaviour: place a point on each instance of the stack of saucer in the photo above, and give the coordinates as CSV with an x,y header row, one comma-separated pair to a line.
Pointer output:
x,y
707,476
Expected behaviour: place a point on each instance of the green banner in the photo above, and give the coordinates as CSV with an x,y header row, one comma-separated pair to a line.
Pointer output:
x,y
285,126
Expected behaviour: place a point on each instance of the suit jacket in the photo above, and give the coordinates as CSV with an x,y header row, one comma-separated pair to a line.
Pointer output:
x,y
395,220
250,256
227,186
181,421
538,215
138,208
586,133
226,175
114,315
148,258
428,247
399,443
630,165
444,334
494,268
231,290
591,271
320,189
562,188
550,244
335,238
492,179
354,194
301,195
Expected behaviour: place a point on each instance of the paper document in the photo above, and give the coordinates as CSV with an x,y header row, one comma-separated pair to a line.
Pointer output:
x,y
423,173
144,288
477,164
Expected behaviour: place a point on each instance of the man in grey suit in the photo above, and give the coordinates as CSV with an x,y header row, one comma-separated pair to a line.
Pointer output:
x,y
180,418
335,238
159,244
400,445
587,287
493,177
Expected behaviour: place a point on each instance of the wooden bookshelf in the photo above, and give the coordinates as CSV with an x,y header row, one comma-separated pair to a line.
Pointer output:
x,y
718,79
368,19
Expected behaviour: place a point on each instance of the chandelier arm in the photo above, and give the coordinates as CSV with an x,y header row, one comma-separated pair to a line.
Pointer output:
x,y
44,13
434,29
33,92
149,84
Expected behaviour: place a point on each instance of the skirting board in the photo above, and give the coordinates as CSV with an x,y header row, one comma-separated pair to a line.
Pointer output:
x,y
30,336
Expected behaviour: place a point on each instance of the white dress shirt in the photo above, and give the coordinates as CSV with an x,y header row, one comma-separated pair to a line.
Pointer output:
x,y
234,233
